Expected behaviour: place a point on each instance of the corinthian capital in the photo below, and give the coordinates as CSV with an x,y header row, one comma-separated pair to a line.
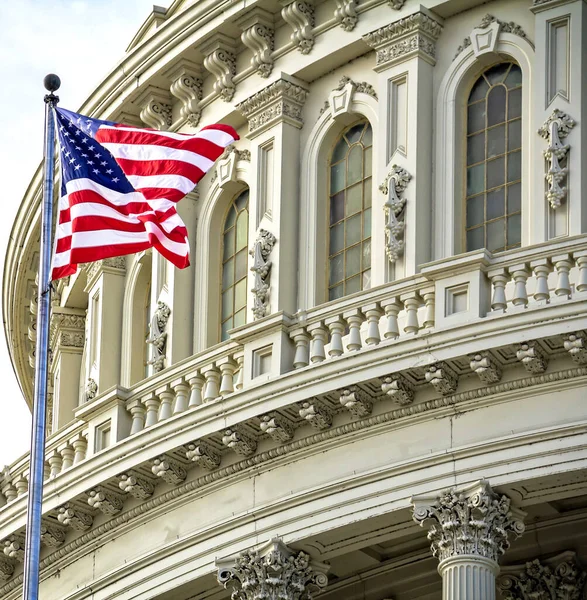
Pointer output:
x,y
472,521
274,572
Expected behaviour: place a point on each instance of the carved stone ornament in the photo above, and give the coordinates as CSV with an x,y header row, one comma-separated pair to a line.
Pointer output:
x,y
186,86
316,414
393,187
277,427
299,15
75,518
531,355
169,470
473,521
262,269
66,330
485,366
115,265
442,377
239,442
201,454
576,345
52,535
356,401
414,35
258,37
281,101
155,106
14,547
399,389
105,501
346,14
91,390
220,60
6,568
557,578
396,4
555,129
340,99
135,485
158,336
275,572
225,170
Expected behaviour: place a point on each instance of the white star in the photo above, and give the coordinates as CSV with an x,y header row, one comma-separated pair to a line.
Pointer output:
x,y
90,162
85,155
66,134
61,128
109,171
78,132
97,155
72,161
103,163
85,141
115,179
77,148
91,149
67,154
96,171
77,167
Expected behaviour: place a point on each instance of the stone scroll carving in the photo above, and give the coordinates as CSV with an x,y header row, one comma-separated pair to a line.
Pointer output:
x,y
555,129
155,106
220,60
299,15
394,186
158,336
258,37
186,86
262,269
346,14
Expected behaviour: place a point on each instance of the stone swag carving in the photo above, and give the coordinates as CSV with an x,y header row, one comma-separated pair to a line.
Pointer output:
x,y
555,129
262,270
394,185
158,336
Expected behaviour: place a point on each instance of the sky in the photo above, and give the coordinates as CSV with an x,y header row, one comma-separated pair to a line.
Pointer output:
x,y
81,41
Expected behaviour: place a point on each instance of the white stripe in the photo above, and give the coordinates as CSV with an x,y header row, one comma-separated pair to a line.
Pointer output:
x,y
61,259
217,136
92,209
176,182
116,198
147,152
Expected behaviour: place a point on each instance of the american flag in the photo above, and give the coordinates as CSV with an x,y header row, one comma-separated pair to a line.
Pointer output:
x,y
120,185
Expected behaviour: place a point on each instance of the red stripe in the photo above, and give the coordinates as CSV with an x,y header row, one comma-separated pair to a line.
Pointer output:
x,y
159,167
171,194
64,271
130,209
93,253
226,128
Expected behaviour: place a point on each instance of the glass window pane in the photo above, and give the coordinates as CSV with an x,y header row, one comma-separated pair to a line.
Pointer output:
x,y
367,138
354,199
228,274
496,235
225,327
336,238
514,197
496,106
353,285
242,230
367,224
227,298
353,135
475,180
496,203
495,172
514,77
367,184
366,254
336,292
353,230
515,134
515,103
497,73
228,243
476,148
353,262
514,230
336,269
475,211
475,239
242,200
230,218
337,173
337,208
339,151
495,141
240,318
476,117
514,166
355,165
240,265
479,90
368,159
240,294
367,279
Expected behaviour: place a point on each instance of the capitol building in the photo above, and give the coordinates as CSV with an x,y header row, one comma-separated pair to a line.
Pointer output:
x,y
371,382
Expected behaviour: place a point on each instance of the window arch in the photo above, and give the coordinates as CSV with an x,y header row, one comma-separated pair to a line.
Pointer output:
x,y
494,159
235,243
349,239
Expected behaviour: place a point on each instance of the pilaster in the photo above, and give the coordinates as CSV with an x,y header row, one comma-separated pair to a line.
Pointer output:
x,y
405,58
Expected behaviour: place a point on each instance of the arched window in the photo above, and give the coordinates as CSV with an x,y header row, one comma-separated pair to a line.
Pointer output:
x,y
494,159
234,265
349,246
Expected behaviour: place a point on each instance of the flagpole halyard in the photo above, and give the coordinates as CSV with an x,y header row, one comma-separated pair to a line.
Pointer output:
x,y
37,455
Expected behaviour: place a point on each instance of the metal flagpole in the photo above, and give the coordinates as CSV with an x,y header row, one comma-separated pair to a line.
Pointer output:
x,y
37,456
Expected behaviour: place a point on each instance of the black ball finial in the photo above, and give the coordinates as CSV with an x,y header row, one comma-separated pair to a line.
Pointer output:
x,y
51,82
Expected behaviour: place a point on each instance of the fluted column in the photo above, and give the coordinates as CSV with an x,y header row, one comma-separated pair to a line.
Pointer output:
x,y
274,572
468,530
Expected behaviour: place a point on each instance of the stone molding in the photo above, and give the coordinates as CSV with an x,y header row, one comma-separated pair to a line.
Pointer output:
x,y
220,60
474,521
258,36
155,104
299,15
116,265
414,35
393,187
280,102
341,98
186,86
262,269
67,330
274,572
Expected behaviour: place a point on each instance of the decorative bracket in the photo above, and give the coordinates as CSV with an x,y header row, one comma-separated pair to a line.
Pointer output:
x,y
155,106
239,442
395,183
299,15
346,13
262,270
220,60
186,86
257,36
279,428
556,128
204,456
158,336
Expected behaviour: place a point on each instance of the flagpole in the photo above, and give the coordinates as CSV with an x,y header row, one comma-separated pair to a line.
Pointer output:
x,y
37,456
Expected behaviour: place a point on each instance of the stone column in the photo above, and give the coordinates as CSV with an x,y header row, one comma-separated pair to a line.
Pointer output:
x,y
274,572
405,59
468,530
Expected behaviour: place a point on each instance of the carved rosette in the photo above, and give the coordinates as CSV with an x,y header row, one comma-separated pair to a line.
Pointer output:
x,y
202,455
299,15
281,101
414,35
262,269
346,14
258,37
277,427
557,578
155,106
555,129
186,86
275,572
393,187
220,60
356,401
474,521
399,389
158,336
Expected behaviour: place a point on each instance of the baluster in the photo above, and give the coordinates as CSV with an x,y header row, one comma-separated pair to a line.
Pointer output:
x,y
373,313
196,385
240,378
166,397
55,463
392,308
211,390
21,485
46,471
319,335
181,389
67,455
80,447
541,270
336,327
151,403
520,274
581,258
499,279
137,414
562,264
302,341
227,368
428,296
412,302
354,318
